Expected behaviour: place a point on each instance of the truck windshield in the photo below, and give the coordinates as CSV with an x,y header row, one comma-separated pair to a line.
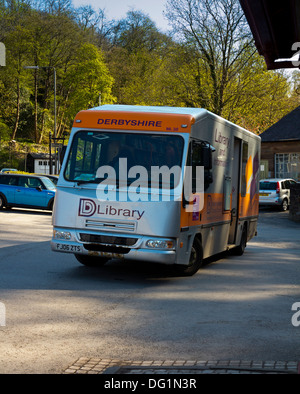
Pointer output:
x,y
94,154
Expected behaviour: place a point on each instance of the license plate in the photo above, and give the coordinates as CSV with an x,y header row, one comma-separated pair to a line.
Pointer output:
x,y
68,248
264,194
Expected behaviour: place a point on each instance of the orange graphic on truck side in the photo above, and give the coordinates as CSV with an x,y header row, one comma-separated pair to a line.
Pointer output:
x,y
213,207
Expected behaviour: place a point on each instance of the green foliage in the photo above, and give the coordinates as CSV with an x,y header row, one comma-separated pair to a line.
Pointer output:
x,y
47,34
86,79
4,132
209,61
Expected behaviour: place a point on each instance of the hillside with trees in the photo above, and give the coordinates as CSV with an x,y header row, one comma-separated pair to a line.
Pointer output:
x,y
208,59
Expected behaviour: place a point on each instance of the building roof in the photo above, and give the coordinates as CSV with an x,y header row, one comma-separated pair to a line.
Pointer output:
x,y
39,155
275,25
286,129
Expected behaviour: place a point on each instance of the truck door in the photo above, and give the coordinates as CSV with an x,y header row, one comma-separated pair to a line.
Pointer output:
x,y
236,174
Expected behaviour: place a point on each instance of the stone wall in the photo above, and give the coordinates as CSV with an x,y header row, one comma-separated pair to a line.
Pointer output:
x,y
294,213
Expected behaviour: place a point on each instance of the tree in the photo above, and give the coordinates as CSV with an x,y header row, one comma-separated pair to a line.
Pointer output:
x,y
84,81
218,31
137,32
209,61
14,21
135,58
257,98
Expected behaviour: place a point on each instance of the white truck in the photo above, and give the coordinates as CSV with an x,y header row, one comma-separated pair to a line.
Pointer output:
x,y
158,184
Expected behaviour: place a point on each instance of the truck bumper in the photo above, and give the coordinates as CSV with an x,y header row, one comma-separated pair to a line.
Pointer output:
x,y
138,251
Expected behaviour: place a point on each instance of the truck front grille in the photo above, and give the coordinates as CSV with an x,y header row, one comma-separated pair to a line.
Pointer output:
x,y
107,240
111,225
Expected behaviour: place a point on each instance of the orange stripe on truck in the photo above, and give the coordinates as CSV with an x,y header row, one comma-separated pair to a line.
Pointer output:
x,y
93,119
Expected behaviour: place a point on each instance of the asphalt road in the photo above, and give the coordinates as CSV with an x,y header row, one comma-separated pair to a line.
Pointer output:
x,y
56,311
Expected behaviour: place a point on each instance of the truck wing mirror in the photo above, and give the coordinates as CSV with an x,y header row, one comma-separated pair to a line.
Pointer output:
x,y
207,157
207,151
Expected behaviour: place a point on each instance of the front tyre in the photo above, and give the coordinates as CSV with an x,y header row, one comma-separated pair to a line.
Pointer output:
x,y
91,261
50,205
196,260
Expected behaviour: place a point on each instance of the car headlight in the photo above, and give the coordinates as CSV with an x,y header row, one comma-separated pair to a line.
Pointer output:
x,y
62,235
159,244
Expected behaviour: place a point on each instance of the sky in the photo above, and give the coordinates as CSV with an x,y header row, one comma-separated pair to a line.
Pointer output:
x,y
117,9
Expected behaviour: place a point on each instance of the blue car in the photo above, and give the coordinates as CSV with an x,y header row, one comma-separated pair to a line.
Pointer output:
x,y
26,191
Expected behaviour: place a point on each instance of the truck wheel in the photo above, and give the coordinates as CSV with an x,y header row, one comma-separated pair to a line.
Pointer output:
x,y
239,250
91,261
196,260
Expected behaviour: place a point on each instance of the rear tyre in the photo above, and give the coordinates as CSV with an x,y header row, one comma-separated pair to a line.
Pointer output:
x,y
2,202
91,261
239,250
284,205
196,260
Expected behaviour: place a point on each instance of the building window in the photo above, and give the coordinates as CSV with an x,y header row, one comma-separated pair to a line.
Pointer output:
x,y
287,165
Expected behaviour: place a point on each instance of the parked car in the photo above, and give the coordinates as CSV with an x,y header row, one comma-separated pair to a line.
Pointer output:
x,y
8,170
275,192
54,178
26,191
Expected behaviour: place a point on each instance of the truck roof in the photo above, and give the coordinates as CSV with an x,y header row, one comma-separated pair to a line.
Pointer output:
x,y
178,119
196,112
142,118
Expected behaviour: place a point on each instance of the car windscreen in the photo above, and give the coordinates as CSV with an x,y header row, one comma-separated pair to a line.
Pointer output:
x,y
48,183
267,185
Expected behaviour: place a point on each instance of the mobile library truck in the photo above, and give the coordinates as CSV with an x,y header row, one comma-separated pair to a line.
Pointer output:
x,y
158,184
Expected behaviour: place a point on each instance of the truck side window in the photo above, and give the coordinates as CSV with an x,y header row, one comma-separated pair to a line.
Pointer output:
x,y
200,155
194,160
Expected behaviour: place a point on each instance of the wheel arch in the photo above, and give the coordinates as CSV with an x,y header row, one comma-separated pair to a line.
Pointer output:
x,y
51,203
4,199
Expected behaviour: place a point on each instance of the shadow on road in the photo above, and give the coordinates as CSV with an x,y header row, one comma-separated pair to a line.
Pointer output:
x,y
24,211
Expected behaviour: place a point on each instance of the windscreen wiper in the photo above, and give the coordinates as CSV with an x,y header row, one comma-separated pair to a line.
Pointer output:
x,y
84,182
96,180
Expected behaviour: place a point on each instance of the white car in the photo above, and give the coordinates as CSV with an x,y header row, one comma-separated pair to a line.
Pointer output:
x,y
8,170
275,192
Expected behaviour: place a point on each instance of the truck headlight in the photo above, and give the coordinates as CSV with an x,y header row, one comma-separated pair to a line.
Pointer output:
x,y
159,244
62,235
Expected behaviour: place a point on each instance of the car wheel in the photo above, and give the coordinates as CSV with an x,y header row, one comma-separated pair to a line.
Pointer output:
x,y
50,205
91,261
196,260
2,202
284,205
